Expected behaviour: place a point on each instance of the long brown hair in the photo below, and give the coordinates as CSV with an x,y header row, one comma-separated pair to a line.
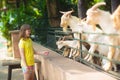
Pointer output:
x,y
23,28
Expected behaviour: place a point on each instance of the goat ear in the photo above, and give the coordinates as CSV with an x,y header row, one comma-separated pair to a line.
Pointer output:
x,y
68,15
62,12
84,19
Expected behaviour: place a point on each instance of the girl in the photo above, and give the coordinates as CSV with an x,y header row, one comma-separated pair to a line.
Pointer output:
x,y
27,52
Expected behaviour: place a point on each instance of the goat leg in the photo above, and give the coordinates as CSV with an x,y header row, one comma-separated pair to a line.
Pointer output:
x,y
91,51
111,53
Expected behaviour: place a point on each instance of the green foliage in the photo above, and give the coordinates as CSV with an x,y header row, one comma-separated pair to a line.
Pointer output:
x,y
96,1
33,13
90,3
5,24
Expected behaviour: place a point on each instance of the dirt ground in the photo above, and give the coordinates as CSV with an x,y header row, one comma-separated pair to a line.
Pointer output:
x,y
16,73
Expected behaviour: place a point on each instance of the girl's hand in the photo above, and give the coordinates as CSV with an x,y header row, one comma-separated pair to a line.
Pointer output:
x,y
45,52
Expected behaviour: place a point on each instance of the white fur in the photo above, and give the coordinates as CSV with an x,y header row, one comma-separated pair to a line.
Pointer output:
x,y
73,22
73,44
103,18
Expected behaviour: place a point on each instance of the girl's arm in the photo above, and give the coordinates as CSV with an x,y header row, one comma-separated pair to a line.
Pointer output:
x,y
43,52
23,57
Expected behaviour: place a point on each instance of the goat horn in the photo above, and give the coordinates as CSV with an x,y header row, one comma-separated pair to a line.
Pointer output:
x,y
69,12
97,5
62,12
59,39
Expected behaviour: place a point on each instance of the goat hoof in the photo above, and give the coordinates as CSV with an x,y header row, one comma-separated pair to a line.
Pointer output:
x,y
107,66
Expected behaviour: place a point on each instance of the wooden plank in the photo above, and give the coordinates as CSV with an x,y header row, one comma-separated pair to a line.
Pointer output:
x,y
14,62
10,62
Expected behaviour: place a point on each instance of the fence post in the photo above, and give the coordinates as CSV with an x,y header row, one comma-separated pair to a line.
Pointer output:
x,y
80,46
15,40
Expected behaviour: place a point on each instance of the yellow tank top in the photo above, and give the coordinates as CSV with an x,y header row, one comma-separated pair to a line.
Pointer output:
x,y
26,44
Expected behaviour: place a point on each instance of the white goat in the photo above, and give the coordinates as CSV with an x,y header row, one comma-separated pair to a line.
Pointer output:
x,y
70,43
68,20
103,18
103,49
73,22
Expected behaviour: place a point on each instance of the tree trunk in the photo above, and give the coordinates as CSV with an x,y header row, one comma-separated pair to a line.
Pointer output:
x,y
3,5
53,13
81,8
114,4
0,4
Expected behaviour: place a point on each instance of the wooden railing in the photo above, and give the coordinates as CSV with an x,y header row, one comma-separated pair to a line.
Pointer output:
x,y
56,67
